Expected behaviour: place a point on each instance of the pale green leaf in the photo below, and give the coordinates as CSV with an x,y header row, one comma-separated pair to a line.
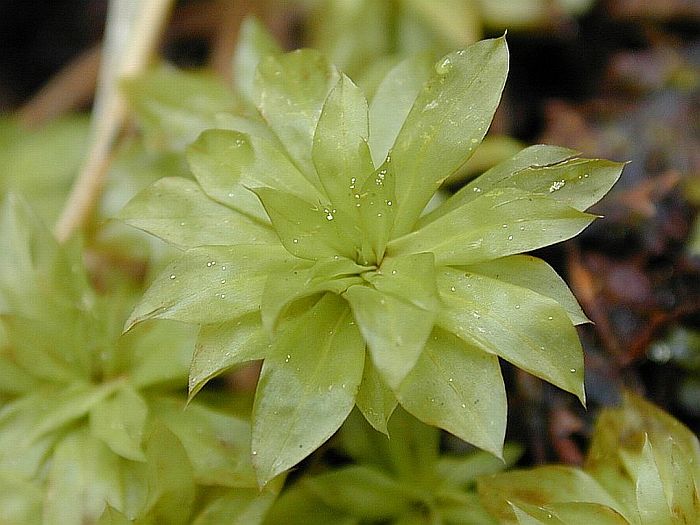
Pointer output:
x,y
681,485
647,459
291,90
327,275
225,345
354,34
551,484
393,100
494,149
651,498
40,162
307,386
43,347
459,388
411,278
36,275
227,164
643,416
603,461
298,506
448,119
539,155
161,352
584,512
616,454
62,408
394,329
454,22
170,486
462,471
528,15
307,230
254,44
250,125
364,444
19,456
376,202
217,444
526,518
119,421
15,380
20,501
523,327
412,448
499,223
578,183
360,491
536,275
211,284
175,106
375,399
83,478
340,151
112,516
470,512
178,211
237,507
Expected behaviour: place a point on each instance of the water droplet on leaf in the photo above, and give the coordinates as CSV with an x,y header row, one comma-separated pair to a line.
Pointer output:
x,y
443,67
557,185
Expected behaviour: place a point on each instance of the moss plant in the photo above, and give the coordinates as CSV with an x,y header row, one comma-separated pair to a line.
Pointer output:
x,y
307,243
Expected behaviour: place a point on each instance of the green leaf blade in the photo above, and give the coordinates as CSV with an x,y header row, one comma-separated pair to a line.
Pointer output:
x,y
527,329
307,230
651,498
175,106
211,284
411,278
160,353
254,44
83,477
536,275
326,275
393,100
499,223
227,164
303,394
539,155
177,211
291,90
376,202
225,345
340,151
217,444
119,422
578,183
459,388
375,399
395,330
448,119
360,491
550,484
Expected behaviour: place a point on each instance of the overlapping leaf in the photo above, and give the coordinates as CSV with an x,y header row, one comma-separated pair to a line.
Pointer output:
x,y
641,469
86,431
341,186
403,479
303,396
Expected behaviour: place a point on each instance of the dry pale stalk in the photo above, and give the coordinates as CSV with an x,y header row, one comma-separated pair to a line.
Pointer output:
x,y
133,31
